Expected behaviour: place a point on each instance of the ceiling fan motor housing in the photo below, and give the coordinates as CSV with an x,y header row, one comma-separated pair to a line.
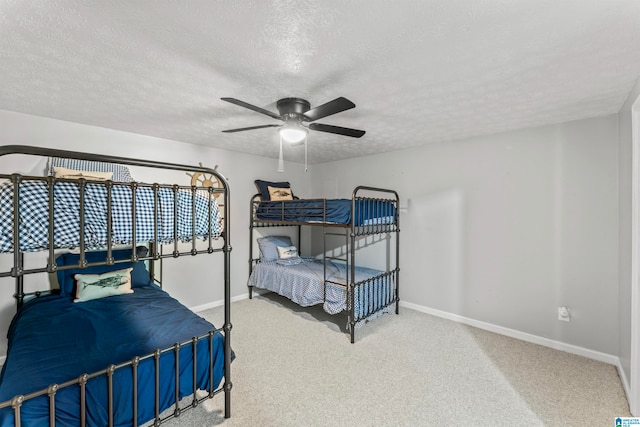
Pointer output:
x,y
293,107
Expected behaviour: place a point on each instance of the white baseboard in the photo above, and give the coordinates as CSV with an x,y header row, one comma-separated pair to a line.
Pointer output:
x,y
625,382
218,303
524,336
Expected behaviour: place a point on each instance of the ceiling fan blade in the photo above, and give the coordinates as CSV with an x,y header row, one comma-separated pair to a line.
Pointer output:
x,y
251,128
355,133
331,107
252,107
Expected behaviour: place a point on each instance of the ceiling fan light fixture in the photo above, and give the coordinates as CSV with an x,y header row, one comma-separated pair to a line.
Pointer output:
x,y
293,132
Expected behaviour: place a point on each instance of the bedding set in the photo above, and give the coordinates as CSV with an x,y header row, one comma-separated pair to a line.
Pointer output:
x,y
34,215
304,282
360,212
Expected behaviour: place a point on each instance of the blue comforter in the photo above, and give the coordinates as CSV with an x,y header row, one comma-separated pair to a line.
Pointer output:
x,y
337,211
52,340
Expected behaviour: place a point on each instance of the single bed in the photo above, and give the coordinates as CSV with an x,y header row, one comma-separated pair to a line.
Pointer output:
x,y
304,283
109,347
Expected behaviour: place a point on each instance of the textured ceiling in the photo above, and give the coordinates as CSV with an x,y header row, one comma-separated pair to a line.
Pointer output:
x,y
418,71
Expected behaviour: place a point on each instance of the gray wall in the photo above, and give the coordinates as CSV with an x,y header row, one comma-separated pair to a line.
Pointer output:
x,y
506,228
625,213
501,229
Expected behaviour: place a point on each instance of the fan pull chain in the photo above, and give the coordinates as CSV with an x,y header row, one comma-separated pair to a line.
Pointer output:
x,y
305,153
281,159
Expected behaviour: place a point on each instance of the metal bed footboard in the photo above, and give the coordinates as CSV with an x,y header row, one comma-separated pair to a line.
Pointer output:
x,y
18,270
81,383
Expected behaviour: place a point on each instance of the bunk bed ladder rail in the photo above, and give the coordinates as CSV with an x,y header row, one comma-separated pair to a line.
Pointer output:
x,y
368,297
255,223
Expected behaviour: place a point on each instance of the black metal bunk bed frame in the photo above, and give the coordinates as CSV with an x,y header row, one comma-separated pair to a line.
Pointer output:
x,y
351,232
18,271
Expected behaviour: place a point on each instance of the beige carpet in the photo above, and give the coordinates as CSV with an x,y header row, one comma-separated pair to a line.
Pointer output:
x,y
296,367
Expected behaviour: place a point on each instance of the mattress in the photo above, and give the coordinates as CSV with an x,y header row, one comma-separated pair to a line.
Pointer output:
x,y
52,339
335,211
303,284
34,222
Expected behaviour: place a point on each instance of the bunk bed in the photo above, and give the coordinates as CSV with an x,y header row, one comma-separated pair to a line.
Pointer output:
x,y
108,346
335,281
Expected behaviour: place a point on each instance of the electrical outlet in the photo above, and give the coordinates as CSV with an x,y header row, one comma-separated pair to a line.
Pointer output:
x,y
564,314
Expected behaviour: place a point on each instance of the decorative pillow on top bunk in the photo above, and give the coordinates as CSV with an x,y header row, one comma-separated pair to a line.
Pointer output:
x,y
120,173
67,280
274,191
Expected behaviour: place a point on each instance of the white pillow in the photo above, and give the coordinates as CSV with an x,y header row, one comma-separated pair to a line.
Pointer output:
x,y
94,286
75,174
287,252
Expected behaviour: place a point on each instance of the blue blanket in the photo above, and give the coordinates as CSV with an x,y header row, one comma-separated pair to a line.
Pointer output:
x,y
338,211
53,340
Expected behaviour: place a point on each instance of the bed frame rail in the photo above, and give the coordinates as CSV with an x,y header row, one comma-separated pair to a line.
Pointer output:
x,y
81,383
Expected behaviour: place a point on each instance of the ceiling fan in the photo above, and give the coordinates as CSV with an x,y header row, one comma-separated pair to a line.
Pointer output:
x,y
294,112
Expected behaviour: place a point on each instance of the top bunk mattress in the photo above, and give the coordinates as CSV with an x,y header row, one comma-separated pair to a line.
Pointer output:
x,y
332,211
175,209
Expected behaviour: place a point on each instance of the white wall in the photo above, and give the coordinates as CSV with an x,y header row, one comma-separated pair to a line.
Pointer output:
x,y
505,228
625,214
187,277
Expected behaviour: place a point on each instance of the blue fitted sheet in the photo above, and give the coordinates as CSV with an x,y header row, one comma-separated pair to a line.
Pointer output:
x,y
338,211
52,340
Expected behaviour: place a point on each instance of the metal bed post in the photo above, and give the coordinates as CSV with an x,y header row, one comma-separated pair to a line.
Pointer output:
x,y
251,227
18,256
352,266
227,302
397,220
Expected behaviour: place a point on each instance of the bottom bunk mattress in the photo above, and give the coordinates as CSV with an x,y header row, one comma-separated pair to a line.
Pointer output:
x,y
303,283
52,340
